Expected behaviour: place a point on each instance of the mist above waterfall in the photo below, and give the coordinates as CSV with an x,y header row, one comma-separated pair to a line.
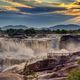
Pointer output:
x,y
70,43
14,49
23,49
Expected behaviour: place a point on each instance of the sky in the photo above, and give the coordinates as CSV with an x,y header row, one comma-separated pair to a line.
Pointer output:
x,y
39,13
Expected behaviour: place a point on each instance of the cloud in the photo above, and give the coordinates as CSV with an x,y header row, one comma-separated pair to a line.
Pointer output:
x,y
10,8
16,4
75,20
58,6
39,1
10,5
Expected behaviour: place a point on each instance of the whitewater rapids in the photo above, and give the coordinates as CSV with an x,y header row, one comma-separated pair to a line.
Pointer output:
x,y
33,48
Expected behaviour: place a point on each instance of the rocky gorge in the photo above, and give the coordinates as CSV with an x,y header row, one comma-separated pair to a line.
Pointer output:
x,y
39,59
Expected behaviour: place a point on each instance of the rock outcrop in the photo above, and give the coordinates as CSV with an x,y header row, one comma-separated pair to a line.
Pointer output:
x,y
55,68
70,42
10,76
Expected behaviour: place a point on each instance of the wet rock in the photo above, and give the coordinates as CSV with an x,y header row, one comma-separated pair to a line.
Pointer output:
x,y
15,68
10,76
43,65
70,42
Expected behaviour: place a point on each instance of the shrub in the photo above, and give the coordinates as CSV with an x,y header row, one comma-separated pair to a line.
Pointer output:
x,y
74,75
78,61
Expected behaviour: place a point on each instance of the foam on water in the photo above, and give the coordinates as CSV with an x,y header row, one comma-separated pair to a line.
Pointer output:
x,y
12,49
31,48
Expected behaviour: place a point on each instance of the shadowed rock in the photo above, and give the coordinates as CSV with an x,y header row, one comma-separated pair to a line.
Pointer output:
x,y
46,64
70,42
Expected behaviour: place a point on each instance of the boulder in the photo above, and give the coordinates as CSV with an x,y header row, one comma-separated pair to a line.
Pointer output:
x,y
42,65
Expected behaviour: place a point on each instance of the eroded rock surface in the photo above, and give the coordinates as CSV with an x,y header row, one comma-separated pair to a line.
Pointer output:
x,y
10,76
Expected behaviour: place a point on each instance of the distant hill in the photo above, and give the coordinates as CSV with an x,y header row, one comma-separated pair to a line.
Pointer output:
x,y
66,27
14,27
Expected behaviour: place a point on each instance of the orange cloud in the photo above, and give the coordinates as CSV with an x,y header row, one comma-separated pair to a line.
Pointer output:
x,y
13,6
16,4
78,0
75,20
10,8
39,1
69,6
73,12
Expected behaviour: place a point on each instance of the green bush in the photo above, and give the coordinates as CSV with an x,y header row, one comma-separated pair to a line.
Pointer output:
x,y
74,75
78,61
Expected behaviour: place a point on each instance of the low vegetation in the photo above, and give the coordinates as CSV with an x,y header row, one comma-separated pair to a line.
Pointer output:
x,y
74,75
32,32
29,74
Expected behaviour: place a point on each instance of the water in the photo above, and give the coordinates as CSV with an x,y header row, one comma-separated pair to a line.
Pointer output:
x,y
70,43
25,49
16,51
13,49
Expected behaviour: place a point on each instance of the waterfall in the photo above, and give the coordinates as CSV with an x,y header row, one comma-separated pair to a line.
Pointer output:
x,y
70,43
27,48
56,43
14,50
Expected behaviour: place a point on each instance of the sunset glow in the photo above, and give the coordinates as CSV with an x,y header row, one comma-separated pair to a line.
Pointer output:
x,y
41,12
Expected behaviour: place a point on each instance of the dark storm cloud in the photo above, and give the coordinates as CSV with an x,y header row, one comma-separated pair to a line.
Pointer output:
x,y
40,9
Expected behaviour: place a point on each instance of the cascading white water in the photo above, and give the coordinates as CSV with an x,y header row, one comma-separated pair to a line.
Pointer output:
x,y
26,48
33,49
13,49
55,43
70,43
40,46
